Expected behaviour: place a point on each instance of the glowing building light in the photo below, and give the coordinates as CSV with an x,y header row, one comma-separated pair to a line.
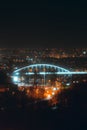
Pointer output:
x,y
15,79
48,96
17,73
84,52
54,89
53,93
68,84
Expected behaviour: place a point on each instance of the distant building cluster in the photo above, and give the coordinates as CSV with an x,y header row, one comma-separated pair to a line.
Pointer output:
x,y
47,52
71,59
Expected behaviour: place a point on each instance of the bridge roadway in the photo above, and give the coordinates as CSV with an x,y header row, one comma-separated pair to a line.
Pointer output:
x,y
58,73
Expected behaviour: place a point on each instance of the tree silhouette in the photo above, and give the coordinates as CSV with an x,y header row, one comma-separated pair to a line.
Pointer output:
x,y
4,79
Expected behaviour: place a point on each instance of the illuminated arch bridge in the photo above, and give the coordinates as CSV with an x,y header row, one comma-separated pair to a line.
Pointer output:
x,y
45,69
33,72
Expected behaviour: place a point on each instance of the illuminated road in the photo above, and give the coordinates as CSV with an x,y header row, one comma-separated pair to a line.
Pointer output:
x,y
60,73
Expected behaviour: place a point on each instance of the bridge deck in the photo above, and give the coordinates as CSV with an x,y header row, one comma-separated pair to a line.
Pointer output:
x,y
59,73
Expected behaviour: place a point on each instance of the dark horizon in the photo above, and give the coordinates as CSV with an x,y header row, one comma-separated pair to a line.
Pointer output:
x,y
56,25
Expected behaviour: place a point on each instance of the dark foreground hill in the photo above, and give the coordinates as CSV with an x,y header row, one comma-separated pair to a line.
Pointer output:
x,y
70,113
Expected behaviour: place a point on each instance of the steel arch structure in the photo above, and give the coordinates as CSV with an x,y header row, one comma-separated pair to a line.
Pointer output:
x,y
43,70
57,68
40,73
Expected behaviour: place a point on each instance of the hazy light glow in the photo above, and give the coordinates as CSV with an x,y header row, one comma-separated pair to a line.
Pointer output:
x,y
54,89
17,73
15,79
67,84
49,96
53,93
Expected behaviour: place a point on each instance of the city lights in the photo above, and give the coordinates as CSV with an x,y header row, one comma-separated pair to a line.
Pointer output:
x,y
40,76
43,65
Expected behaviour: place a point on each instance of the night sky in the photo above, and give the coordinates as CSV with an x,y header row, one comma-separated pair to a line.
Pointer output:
x,y
45,24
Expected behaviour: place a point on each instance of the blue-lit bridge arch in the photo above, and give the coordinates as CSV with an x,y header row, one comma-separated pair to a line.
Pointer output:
x,y
44,66
43,70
